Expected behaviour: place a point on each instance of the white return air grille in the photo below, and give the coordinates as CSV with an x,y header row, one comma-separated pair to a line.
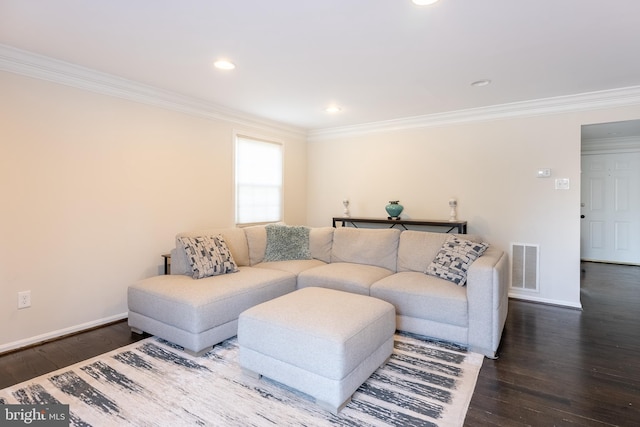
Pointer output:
x,y
524,266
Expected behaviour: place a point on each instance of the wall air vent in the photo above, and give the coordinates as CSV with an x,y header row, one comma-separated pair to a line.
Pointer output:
x,y
524,266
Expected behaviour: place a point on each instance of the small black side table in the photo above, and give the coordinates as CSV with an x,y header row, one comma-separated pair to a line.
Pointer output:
x,y
167,263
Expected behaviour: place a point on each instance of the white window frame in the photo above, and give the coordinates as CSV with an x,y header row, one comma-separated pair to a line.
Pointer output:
x,y
263,211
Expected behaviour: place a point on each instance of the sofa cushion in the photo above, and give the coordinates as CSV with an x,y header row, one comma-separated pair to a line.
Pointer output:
x,y
320,240
416,294
199,305
454,259
256,242
287,242
292,266
343,276
208,256
366,246
417,249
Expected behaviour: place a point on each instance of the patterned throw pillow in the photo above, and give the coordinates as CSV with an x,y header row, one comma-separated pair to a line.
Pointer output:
x,y
208,256
287,242
454,259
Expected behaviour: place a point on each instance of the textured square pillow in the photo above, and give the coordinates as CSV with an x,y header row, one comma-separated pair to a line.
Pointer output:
x,y
454,259
287,242
208,256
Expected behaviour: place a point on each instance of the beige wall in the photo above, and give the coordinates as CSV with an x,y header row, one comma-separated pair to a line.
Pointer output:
x,y
94,189
489,167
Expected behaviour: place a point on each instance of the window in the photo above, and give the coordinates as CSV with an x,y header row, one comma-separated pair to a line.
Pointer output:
x,y
258,181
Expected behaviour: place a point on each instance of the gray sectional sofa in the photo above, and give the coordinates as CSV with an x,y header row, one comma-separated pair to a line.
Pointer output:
x,y
388,264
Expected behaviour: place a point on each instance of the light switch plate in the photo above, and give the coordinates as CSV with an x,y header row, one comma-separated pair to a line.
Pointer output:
x,y
544,173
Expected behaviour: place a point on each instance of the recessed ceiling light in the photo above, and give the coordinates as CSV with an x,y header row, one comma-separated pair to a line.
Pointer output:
x,y
333,109
424,2
480,83
224,64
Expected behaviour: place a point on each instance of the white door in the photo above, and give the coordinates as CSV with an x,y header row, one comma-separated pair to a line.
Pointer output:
x,y
610,224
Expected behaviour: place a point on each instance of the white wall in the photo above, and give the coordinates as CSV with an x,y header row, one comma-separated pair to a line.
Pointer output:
x,y
490,167
94,189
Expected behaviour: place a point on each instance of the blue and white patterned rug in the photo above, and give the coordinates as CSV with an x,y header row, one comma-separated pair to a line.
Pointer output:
x,y
152,383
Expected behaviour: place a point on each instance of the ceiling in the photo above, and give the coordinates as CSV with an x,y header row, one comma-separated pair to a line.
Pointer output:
x,y
377,59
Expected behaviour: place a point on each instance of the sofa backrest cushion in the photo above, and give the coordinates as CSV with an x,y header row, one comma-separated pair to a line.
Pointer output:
x,y
320,240
234,237
417,249
369,246
257,242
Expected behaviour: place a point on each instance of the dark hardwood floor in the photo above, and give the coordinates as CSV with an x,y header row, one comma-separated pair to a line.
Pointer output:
x,y
563,367
19,366
556,366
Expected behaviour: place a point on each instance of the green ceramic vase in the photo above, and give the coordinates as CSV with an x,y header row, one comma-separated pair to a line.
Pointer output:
x,y
394,209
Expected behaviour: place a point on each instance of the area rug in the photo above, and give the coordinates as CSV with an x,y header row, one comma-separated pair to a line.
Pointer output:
x,y
153,383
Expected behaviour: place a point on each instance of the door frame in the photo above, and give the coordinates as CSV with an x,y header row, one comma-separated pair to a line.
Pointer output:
x,y
619,145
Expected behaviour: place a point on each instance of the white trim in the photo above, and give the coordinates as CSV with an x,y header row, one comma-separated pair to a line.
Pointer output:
x,y
61,332
602,261
562,104
611,145
532,298
41,67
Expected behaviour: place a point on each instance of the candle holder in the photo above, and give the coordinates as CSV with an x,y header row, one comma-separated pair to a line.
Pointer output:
x,y
345,212
453,204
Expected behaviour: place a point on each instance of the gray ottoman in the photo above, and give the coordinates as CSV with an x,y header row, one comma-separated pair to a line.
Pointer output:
x,y
322,342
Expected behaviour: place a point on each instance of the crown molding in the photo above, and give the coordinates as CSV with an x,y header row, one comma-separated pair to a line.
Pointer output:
x,y
562,104
29,64
41,67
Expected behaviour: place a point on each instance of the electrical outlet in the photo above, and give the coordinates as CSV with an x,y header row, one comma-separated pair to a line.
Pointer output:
x,y
24,299
562,184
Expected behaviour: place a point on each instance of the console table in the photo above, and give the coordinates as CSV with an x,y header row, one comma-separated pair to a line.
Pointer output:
x,y
460,225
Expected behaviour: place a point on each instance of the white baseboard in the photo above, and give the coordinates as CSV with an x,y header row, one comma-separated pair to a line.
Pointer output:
x,y
61,332
559,303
